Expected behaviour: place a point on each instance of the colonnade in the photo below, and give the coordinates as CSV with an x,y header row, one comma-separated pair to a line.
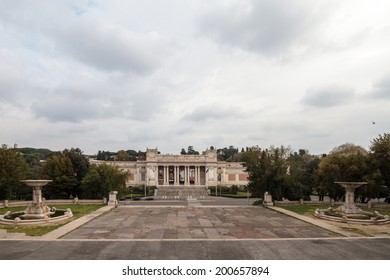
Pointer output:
x,y
181,175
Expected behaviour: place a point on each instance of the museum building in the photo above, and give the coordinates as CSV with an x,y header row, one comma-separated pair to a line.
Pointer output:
x,y
182,176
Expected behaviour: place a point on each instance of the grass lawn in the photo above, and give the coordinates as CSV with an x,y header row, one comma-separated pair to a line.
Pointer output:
x,y
237,195
307,210
78,210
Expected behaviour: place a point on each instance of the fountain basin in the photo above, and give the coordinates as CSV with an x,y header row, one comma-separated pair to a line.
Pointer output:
x,y
360,217
38,212
349,212
19,217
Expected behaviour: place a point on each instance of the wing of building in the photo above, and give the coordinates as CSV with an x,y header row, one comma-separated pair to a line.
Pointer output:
x,y
178,176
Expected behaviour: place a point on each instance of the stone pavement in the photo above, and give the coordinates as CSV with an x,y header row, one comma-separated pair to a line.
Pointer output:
x,y
195,230
235,249
199,222
57,233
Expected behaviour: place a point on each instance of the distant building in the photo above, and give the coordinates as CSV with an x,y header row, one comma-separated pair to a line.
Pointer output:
x,y
181,174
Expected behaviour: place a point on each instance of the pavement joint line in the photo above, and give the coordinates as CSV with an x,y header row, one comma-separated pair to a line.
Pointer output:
x,y
185,206
201,239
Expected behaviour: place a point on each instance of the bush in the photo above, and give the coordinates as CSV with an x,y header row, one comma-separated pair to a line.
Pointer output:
x,y
258,202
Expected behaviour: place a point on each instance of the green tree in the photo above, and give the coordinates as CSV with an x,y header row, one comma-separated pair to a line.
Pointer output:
x,y
103,178
268,173
59,168
105,155
280,172
227,154
191,151
380,149
299,179
80,165
12,169
122,156
347,162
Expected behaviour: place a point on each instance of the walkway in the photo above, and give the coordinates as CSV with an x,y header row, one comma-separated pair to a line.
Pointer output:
x,y
220,229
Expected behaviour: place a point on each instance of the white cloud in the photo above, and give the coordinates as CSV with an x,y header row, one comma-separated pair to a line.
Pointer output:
x,y
269,27
134,74
381,88
110,47
328,96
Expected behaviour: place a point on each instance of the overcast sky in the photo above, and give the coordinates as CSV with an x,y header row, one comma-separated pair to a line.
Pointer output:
x,y
111,75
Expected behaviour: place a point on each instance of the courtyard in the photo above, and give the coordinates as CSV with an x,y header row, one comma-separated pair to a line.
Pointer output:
x,y
202,222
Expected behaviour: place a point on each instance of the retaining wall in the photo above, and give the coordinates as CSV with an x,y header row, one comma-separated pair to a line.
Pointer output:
x,y
13,203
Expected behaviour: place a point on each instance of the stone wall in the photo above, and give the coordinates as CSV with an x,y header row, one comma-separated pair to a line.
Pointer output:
x,y
17,203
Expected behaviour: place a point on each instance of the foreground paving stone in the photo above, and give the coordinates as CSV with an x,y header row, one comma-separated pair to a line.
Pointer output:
x,y
195,223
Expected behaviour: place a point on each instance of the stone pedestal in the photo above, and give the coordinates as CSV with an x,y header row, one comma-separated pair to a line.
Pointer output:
x,y
267,199
112,198
349,206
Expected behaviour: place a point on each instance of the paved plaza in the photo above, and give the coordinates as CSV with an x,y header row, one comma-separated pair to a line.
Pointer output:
x,y
201,230
203,222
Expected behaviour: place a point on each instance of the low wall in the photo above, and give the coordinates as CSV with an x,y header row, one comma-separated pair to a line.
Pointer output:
x,y
5,203
377,205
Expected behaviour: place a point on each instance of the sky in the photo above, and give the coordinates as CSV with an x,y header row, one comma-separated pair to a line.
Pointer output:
x,y
113,75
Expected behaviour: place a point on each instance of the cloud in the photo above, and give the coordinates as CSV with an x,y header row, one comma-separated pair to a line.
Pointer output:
x,y
215,112
110,47
328,96
12,76
98,97
270,27
381,88
58,107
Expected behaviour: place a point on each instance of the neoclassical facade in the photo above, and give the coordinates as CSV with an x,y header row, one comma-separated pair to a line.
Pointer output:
x,y
186,171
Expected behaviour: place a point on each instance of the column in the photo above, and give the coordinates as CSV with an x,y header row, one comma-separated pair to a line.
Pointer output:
x,y
177,175
166,175
195,179
187,175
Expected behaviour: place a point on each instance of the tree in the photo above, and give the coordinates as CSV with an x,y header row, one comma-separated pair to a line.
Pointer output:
x,y
191,151
280,172
227,154
347,162
300,175
122,156
59,168
380,149
12,169
268,173
105,155
80,164
103,178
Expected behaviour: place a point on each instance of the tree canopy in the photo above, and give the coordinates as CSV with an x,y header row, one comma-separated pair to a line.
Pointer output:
x,y
13,168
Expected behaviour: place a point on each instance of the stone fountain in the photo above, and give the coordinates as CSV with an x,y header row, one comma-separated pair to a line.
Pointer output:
x,y
38,208
37,212
349,212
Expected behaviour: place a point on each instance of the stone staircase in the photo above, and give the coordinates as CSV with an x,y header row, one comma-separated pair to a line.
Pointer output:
x,y
181,193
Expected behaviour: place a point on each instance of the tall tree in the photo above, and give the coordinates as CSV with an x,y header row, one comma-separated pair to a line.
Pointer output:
x,y
59,168
122,156
347,162
103,178
80,164
12,169
380,148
